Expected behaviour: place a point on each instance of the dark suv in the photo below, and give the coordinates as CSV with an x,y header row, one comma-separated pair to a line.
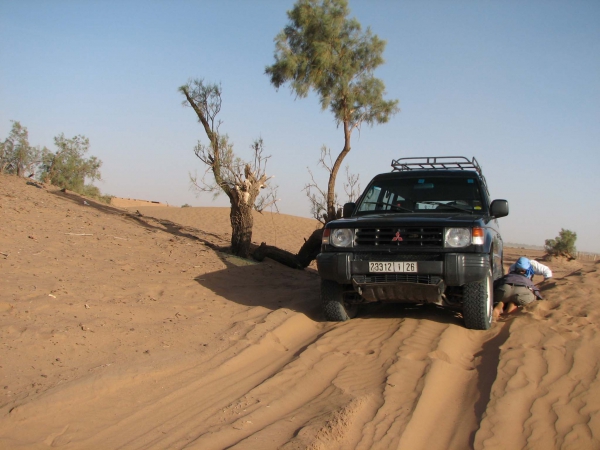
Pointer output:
x,y
424,233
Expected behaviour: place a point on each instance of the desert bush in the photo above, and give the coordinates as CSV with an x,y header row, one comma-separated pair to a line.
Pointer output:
x,y
68,168
89,190
563,244
186,206
16,155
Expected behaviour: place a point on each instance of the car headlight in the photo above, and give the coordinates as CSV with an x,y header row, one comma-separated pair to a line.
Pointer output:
x,y
457,237
341,237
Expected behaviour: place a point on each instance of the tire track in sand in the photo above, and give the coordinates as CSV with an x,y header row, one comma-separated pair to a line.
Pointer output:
x,y
430,389
367,383
282,380
375,383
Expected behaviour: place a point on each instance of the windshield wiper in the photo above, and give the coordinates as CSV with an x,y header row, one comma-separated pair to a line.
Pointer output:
x,y
395,207
470,211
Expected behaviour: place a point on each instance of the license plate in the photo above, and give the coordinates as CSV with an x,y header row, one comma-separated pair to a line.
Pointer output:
x,y
392,266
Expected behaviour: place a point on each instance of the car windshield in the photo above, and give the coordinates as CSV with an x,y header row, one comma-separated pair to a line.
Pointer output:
x,y
423,195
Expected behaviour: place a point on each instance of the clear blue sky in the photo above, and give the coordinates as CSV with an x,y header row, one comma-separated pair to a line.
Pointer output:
x,y
515,84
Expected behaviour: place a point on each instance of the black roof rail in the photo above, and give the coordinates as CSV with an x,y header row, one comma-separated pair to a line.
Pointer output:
x,y
438,163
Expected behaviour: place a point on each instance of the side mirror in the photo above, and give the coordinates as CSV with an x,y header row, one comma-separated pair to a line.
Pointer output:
x,y
348,209
499,208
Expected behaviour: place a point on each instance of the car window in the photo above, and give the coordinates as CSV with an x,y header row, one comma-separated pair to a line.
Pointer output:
x,y
422,194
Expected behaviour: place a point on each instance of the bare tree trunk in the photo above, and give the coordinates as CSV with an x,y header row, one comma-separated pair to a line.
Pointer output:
x,y
276,254
310,249
332,214
308,252
241,229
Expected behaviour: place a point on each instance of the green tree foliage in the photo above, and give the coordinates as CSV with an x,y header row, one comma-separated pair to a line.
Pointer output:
x,y
323,50
68,167
16,155
563,244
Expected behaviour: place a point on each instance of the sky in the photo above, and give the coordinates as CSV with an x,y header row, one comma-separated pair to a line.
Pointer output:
x,y
514,84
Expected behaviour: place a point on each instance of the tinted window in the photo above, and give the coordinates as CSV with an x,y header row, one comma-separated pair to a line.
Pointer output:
x,y
423,194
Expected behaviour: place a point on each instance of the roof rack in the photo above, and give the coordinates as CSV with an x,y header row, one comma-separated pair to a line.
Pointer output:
x,y
438,163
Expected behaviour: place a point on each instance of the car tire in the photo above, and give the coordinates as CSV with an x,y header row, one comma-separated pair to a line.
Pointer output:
x,y
478,303
334,307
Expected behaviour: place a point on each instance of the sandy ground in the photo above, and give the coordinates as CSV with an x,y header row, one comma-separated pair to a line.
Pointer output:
x,y
121,331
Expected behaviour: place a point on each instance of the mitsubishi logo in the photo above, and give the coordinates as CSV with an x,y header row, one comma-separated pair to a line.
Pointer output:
x,y
397,238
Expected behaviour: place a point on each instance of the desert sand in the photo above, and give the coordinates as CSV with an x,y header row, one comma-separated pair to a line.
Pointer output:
x,y
134,329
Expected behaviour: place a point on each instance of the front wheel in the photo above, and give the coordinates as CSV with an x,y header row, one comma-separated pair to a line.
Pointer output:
x,y
478,303
334,307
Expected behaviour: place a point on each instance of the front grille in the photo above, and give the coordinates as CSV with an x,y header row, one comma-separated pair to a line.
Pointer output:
x,y
400,237
396,278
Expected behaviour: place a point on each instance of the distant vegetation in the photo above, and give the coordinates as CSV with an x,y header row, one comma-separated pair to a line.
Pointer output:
x,y
66,168
186,206
89,190
17,157
563,244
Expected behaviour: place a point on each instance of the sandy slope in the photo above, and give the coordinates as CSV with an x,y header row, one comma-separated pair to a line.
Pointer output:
x,y
127,331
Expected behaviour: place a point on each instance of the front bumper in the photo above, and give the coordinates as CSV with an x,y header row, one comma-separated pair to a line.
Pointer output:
x,y
426,285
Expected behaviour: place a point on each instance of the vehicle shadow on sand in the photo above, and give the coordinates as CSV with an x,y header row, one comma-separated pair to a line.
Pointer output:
x,y
272,285
267,284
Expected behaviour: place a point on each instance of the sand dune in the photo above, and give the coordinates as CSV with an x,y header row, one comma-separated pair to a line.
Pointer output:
x,y
122,331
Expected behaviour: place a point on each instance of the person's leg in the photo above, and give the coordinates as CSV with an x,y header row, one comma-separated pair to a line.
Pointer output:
x,y
520,296
511,308
502,295
523,296
498,310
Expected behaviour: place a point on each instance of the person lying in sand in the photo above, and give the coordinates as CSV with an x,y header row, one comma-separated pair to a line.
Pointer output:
x,y
535,268
516,288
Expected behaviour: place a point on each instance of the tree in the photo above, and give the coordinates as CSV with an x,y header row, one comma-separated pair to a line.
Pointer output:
x,y
563,244
68,168
241,181
321,49
318,197
16,155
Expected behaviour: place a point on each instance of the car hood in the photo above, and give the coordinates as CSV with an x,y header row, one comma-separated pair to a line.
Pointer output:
x,y
410,220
